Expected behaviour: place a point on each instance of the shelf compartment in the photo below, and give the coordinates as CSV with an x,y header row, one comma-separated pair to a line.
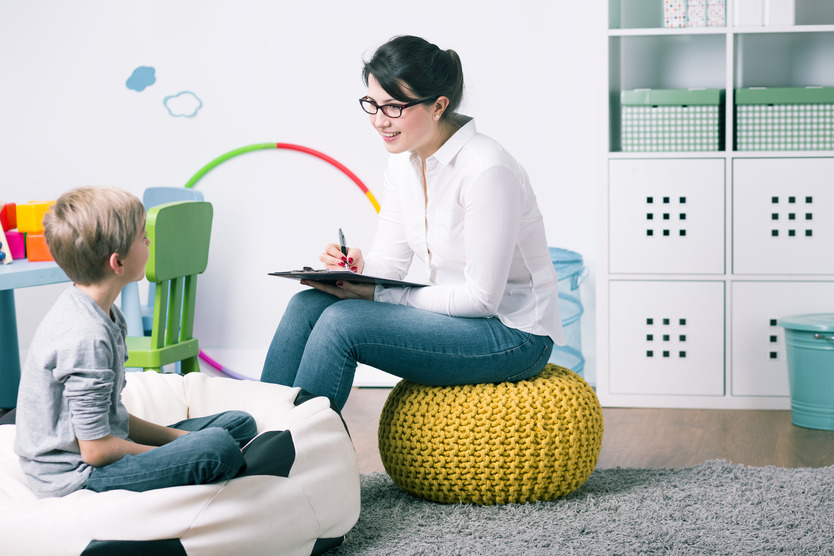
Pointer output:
x,y
784,59
784,118
691,61
782,216
667,338
658,120
648,14
666,216
759,359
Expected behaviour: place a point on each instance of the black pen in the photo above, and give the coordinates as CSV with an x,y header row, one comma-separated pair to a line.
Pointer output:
x,y
343,246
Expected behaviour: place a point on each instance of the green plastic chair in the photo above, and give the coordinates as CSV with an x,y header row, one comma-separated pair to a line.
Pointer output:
x,y
139,313
179,234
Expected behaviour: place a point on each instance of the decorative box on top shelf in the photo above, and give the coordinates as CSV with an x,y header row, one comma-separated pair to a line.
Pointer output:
x,y
655,120
694,13
785,119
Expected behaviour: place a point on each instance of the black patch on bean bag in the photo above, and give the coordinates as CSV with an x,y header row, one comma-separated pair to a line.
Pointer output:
x,y
8,418
269,453
323,545
164,547
305,396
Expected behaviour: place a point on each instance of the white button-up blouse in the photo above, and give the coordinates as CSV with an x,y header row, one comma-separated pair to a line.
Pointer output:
x,y
479,234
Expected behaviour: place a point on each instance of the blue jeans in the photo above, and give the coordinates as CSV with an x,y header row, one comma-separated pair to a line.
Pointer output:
x,y
209,454
320,339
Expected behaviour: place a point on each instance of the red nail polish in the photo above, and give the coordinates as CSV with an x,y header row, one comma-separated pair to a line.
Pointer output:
x,y
354,268
344,260
350,260
341,264
339,283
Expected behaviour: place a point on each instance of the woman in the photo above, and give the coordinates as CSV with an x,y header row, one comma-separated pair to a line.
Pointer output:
x,y
465,208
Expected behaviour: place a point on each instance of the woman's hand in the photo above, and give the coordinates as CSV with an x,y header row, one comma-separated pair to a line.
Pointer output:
x,y
343,289
333,259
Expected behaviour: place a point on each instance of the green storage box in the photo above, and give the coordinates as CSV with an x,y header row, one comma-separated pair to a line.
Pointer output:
x,y
784,119
655,120
810,348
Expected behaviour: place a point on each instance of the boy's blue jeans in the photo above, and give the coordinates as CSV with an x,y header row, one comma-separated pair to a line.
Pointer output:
x,y
320,339
209,454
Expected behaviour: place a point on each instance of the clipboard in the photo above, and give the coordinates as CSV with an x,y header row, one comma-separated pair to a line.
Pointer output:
x,y
324,275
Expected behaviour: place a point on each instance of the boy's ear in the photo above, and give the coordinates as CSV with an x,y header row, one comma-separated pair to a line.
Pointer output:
x,y
115,263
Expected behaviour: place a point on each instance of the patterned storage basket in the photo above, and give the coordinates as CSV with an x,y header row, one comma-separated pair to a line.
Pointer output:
x,y
656,120
785,119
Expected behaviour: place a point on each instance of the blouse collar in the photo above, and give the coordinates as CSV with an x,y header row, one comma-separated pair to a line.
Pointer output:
x,y
455,143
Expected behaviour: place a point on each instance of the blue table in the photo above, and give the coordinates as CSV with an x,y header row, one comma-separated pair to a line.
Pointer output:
x,y
18,274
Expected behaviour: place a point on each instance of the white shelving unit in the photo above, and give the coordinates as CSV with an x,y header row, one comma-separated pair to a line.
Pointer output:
x,y
701,251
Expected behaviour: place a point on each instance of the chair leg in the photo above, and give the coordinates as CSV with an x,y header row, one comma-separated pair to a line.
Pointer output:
x,y
191,365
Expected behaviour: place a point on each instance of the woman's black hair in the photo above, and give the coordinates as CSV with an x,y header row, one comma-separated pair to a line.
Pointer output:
x,y
411,68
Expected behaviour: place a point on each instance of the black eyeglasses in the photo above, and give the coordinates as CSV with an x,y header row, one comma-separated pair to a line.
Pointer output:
x,y
390,110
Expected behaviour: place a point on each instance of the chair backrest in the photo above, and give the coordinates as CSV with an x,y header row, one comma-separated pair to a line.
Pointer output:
x,y
139,315
154,196
180,233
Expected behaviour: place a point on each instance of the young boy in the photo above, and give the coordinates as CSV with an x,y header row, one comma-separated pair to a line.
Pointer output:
x,y
73,431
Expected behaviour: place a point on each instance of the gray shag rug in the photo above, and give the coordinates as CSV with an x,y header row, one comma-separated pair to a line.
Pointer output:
x,y
714,508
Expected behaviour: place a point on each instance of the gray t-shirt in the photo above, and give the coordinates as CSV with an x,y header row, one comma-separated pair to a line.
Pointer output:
x,y
70,388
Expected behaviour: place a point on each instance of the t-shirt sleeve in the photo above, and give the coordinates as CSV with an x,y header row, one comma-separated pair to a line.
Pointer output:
x,y
88,385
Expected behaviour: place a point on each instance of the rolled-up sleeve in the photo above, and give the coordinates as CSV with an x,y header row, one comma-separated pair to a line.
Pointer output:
x,y
88,390
88,393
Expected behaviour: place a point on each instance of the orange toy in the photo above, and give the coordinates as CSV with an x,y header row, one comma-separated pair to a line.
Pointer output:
x,y
36,248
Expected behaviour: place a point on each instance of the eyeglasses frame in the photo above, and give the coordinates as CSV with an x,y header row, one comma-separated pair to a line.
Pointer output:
x,y
382,107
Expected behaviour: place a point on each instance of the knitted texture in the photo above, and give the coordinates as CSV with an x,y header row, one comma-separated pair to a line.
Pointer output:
x,y
536,439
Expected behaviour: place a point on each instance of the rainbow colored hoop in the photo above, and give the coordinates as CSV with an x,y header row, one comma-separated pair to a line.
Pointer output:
x,y
289,146
258,147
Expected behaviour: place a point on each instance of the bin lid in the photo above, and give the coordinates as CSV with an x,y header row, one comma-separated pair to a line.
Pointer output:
x,y
820,322
671,97
559,255
785,95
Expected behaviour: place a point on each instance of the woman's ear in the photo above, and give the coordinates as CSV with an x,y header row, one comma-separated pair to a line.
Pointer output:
x,y
440,106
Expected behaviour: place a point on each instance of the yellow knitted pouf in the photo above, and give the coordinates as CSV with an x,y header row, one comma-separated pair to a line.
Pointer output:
x,y
536,439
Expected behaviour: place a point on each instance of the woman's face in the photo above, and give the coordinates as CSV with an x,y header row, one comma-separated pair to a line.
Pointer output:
x,y
417,130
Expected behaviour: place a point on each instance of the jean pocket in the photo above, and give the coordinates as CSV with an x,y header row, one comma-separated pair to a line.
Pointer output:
x,y
537,365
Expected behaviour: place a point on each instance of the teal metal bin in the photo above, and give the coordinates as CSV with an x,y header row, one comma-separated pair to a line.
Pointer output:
x,y
810,348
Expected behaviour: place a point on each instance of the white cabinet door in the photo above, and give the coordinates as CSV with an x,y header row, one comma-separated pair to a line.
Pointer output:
x,y
666,216
666,338
759,359
783,216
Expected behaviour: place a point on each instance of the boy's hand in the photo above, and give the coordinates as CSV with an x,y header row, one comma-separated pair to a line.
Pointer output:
x,y
145,432
107,450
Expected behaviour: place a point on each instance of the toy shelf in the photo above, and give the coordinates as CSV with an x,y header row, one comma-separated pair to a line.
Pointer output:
x,y
702,251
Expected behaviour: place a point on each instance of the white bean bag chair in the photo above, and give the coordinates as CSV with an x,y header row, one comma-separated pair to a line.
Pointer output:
x,y
303,498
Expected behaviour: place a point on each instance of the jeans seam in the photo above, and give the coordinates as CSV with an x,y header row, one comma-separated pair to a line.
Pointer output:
x,y
533,366
155,472
526,341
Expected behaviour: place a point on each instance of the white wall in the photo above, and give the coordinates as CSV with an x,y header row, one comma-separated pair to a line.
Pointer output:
x,y
281,71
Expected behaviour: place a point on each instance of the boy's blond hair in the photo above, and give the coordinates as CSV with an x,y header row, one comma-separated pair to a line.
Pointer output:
x,y
87,225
